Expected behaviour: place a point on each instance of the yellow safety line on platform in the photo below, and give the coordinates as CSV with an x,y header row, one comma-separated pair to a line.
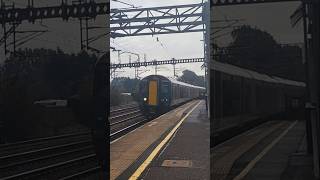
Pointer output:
x,y
142,126
252,163
145,164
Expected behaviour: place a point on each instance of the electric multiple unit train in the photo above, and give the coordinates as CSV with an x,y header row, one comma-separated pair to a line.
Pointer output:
x,y
158,94
240,92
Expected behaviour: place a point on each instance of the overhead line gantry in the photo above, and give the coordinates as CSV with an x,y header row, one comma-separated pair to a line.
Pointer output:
x,y
155,63
160,20
241,2
64,11
11,17
157,20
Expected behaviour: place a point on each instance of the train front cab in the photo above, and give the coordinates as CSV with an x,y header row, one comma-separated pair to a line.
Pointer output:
x,y
155,95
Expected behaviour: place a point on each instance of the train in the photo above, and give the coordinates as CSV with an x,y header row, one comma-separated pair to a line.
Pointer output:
x,y
239,93
158,94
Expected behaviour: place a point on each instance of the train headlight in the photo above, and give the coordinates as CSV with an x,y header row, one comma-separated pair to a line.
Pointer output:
x,y
145,99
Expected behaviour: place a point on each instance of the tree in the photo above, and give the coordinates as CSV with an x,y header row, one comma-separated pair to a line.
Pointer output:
x,y
191,78
251,47
257,50
123,85
36,74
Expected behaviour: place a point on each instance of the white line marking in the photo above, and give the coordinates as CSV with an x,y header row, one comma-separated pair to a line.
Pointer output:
x,y
152,124
155,151
241,134
143,125
252,163
125,135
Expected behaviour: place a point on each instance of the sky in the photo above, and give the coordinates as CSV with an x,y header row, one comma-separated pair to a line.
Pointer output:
x,y
187,45
271,17
62,34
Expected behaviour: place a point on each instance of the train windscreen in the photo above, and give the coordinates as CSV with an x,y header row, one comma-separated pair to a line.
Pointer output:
x,y
153,92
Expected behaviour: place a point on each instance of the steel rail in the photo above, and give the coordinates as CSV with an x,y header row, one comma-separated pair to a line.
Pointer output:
x,y
33,160
48,168
125,120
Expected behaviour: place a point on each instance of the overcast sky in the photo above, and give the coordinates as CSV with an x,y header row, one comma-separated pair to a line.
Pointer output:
x,y
63,34
187,45
271,17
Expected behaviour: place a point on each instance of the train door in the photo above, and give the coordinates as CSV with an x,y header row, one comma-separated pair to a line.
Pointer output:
x,y
153,93
165,92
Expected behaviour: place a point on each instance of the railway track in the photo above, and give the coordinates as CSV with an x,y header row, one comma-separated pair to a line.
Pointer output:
x,y
58,157
69,156
223,134
124,120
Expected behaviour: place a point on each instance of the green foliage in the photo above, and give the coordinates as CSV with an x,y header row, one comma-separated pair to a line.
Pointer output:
x,y
255,49
125,84
191,78
115,97
122,85
252,46
64,71
40,74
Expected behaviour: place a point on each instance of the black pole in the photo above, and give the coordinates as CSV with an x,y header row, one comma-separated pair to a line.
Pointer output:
x,y
81,39
5,38
87,33
307,109
100,131
14,39
313,68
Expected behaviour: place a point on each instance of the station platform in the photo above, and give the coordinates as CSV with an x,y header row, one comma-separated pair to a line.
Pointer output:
x,y
274,150
175,145
187,155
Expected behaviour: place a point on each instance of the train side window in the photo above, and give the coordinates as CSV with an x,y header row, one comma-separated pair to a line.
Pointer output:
x,y
181,91
172,91
165,87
